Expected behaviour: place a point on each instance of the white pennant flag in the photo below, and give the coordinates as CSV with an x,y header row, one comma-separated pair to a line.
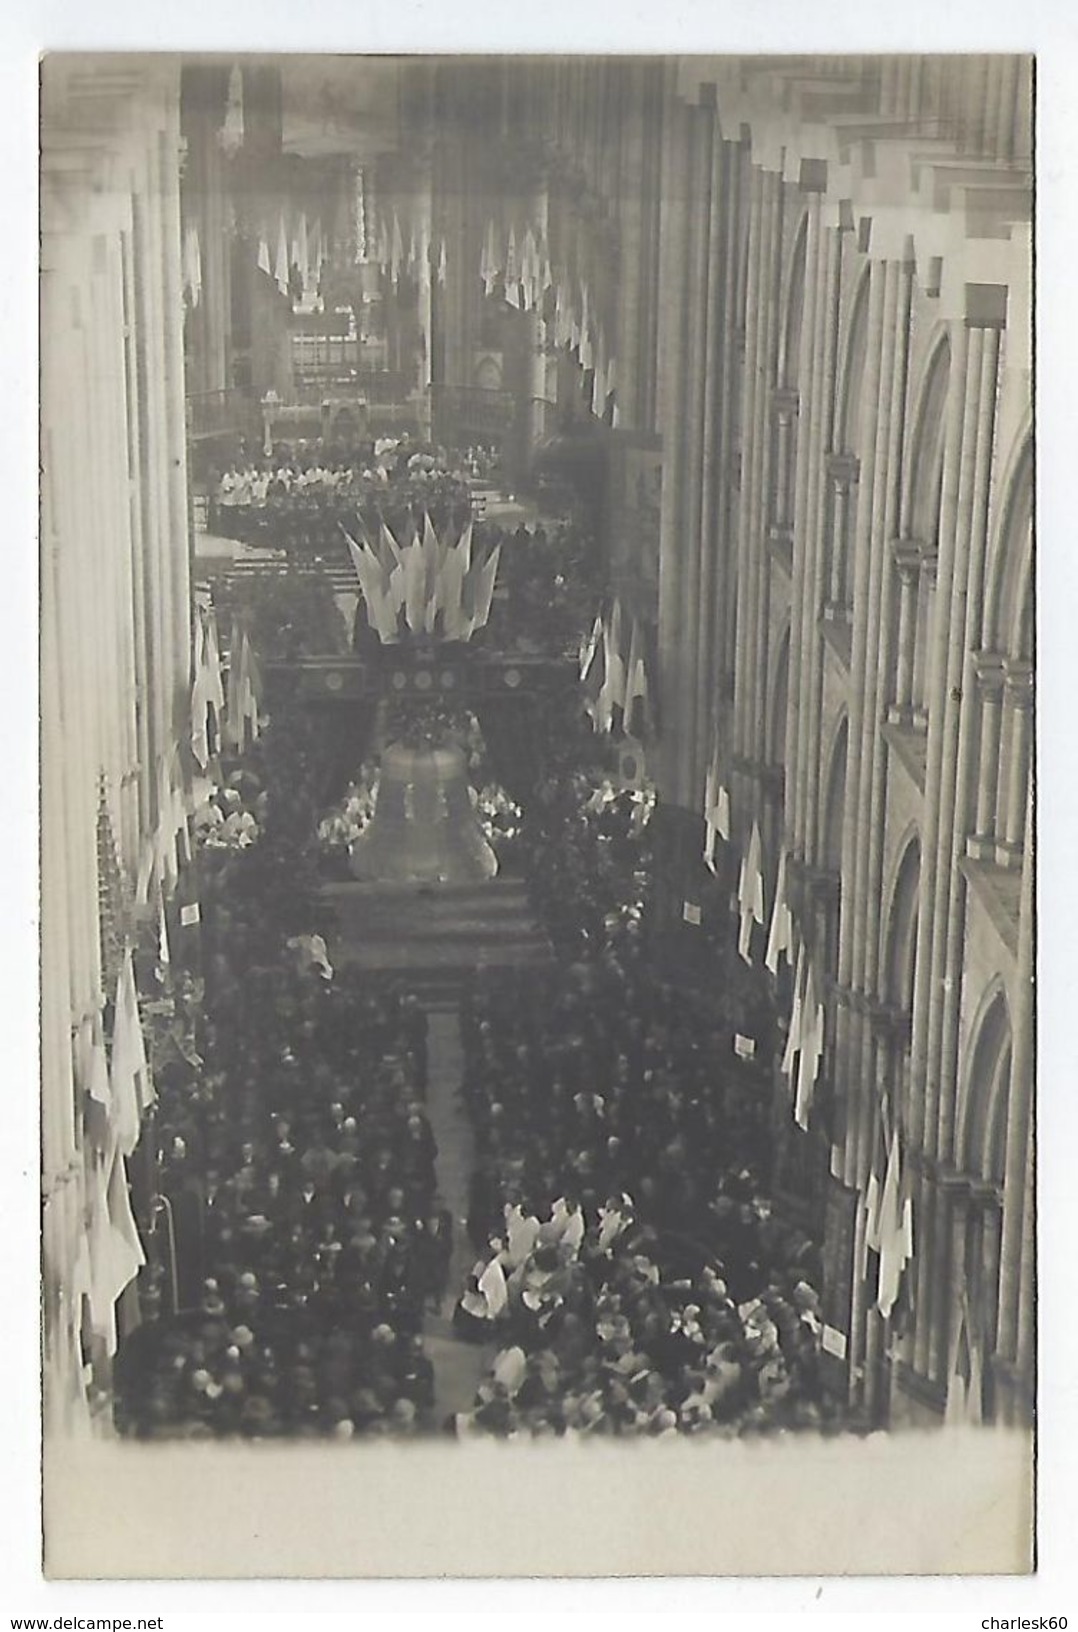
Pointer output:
x,y
215,691
200,744
130,1089
373,589
895,1230
488,261
612,693
808,1065
780,936
280,270
164,955
793,1037
167,862
711,796
750,893
485,590
589,646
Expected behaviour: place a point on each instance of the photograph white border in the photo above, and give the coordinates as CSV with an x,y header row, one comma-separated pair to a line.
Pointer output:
x,y
961,25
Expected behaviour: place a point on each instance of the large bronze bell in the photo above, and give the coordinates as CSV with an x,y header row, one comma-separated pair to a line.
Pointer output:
x,y
424,829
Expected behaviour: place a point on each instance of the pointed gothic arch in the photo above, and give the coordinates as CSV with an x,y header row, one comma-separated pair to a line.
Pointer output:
x,y
983,1107
900,925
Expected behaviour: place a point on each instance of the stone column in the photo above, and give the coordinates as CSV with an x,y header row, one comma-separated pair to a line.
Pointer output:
x,y
135,421
888,473
923,1107
849,1026
907,563
957,531
121,589
631,214
154,473
1018,687
1013,1337
816,584
926,607
866,1106
61,589
842,478
715,340
989,671
862,722
179,540
690,731
880,483
785,448
107,506
754,294
1025,1357
537,340
821,275
739,173
950,1271
676,654
991,1222
802,631
763,465
967,617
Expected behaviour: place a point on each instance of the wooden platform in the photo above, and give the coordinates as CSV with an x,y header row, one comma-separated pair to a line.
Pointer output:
x,y
434,935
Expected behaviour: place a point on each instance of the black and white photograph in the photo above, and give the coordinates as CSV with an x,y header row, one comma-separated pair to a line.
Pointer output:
x,y
537,758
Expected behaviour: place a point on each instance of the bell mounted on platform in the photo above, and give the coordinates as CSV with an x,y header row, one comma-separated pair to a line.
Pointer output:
x,y
425,829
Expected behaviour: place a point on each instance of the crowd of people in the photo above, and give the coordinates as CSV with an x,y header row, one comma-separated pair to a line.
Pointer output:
x,y
629,1261
610,1327
303,1187
296,498
310,468
630,1271
587,837
299,1235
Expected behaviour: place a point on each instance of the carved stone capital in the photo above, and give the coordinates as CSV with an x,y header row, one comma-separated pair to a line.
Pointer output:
x,y
907,554
952,1181
844,469
989,669
1018,681
985,1195
785,404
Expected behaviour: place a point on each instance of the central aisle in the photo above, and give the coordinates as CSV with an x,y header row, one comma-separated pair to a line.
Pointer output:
x,y
458,1366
